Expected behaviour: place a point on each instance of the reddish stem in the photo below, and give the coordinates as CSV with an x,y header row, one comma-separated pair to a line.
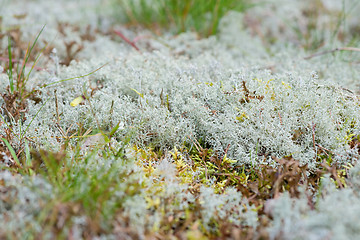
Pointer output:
x,y
126,39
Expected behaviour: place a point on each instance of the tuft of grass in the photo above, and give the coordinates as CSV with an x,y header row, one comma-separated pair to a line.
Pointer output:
x,y
84,186
202,16
22,77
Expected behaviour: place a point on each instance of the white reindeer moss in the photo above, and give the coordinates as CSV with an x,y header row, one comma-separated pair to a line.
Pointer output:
x,y
129,170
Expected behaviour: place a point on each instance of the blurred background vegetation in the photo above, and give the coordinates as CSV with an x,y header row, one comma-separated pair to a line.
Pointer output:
x,y
310,25
202,16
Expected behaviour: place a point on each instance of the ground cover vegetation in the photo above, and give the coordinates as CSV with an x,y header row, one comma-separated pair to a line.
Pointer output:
x,y
169,119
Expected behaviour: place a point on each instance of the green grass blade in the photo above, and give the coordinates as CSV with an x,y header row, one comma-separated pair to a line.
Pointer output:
x,y
21,75
27,154
32,47
33,66
10,70
37,57
68,79
12,151
114,129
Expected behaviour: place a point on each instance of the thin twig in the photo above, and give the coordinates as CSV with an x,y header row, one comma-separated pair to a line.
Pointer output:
x,y
225,152
126,39
280,118
326,150
332,51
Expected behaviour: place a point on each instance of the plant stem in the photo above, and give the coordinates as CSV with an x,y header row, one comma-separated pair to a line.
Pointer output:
x,y
10,69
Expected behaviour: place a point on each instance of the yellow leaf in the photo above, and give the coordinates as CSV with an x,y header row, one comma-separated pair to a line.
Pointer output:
x,y
77,101
228,160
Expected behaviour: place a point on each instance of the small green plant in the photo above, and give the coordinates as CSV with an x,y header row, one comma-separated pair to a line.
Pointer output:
x,y
15,98
22,77
202,16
